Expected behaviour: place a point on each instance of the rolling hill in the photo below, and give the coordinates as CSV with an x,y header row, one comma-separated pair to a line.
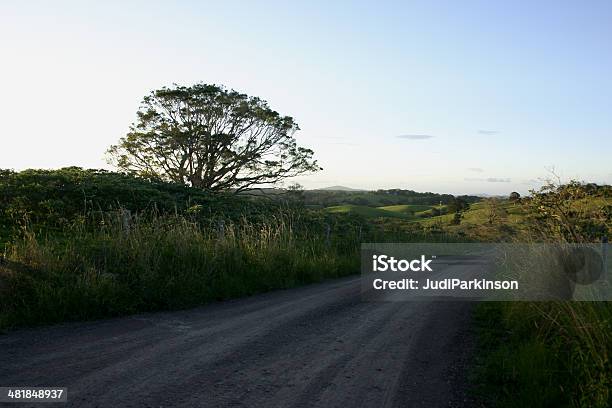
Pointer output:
x,y
365,211
403,211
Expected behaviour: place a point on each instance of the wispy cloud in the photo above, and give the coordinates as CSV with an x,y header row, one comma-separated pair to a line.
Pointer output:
x,y
488,132
490,179
475,169
414,137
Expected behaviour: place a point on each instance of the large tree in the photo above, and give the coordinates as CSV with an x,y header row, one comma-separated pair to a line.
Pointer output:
x,y
209,137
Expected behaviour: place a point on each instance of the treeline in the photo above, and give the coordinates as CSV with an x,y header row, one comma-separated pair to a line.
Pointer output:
x,y
379,198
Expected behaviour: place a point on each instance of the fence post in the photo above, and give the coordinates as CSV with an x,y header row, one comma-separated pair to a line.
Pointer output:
x,y
126,218
221,229
327,234
604,256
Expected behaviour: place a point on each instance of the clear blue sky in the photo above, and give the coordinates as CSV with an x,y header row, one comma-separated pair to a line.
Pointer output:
x,y
501,90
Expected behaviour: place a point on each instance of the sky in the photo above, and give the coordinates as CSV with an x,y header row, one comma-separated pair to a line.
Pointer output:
x,y
456,97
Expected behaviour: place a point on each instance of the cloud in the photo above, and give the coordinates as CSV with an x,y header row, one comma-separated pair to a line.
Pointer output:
x,y
490,179
414,137
488,132
475,169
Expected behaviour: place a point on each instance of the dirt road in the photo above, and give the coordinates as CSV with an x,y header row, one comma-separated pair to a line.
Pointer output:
x,y
316,346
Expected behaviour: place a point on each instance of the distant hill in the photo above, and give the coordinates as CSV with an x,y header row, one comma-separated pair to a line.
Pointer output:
x,y
339,188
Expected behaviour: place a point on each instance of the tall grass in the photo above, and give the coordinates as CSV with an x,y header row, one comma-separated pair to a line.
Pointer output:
x,y
104,265
161,262
545,354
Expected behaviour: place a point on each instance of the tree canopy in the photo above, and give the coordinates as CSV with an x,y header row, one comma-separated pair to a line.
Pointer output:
x,y
208,137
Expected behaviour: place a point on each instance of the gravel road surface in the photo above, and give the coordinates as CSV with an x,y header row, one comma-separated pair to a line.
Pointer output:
x,y
315,346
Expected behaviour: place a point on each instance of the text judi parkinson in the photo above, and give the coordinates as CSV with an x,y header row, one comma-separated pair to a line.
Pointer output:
x,y
444,284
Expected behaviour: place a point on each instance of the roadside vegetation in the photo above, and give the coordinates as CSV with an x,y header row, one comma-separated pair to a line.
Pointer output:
x,y
161,262
551,354
83,244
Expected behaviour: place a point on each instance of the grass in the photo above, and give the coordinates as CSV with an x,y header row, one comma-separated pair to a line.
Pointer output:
x,y
476,222
546,354
164,263
408,208
402,211
365,211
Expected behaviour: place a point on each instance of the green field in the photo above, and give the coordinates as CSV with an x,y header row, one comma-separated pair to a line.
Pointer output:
x,y
401,211
510,214
406,208
365,211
